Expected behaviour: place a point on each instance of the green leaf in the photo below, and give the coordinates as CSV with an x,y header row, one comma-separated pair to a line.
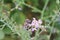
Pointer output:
x,y
18,16
7,30
1,34
22,17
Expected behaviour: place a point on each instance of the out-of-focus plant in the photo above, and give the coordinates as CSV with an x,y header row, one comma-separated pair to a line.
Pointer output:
x,y
12,17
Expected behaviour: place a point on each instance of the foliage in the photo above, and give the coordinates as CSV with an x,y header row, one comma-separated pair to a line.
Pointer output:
x,y
13,14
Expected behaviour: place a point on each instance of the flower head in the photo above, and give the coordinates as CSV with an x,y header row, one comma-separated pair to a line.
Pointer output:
x,y
33,29
34,21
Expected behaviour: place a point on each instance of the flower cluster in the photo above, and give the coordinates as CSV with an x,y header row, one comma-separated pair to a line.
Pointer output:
x,y
33,25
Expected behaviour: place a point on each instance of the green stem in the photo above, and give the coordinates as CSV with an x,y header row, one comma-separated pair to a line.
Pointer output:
x,y
32,7
11,27
46,3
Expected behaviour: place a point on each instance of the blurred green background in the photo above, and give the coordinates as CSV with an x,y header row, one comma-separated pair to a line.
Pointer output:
x,y
14,12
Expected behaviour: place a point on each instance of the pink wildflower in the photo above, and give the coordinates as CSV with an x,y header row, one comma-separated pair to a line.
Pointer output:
x,y
33,29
